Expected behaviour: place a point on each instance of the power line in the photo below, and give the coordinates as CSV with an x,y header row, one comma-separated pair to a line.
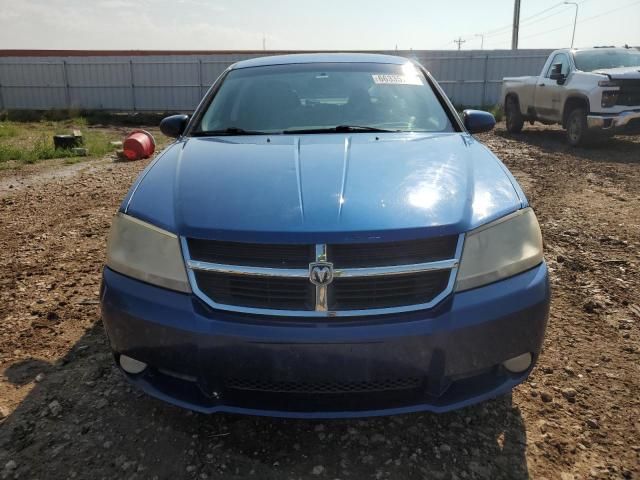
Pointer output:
x,y
593,17
607,13
534,22
549,31
507,28
528,19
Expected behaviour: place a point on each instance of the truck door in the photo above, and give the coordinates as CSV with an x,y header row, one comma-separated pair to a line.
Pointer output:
x,y
549,92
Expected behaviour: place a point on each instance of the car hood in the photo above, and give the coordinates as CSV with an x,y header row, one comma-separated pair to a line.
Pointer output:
x,y
621,73
328,187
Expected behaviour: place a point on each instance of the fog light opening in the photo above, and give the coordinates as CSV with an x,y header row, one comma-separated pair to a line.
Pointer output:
x,y
131,365
518,364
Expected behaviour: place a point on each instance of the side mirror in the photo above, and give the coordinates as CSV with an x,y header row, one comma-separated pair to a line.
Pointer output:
x,y
478,121
174,125
556,73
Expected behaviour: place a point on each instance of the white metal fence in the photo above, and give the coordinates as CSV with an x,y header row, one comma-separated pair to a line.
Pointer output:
x,y
176,82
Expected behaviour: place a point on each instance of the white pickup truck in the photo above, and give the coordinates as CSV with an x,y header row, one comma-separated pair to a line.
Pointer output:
x,y
591,92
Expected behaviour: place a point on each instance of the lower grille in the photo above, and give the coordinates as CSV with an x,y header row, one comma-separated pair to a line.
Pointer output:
x,y
257,292
387,291
329,387
629,93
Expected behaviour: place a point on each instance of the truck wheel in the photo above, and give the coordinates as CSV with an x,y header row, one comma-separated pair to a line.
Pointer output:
x,y
577,131
515,121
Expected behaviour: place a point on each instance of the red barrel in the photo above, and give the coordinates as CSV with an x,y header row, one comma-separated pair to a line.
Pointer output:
x,y
138,144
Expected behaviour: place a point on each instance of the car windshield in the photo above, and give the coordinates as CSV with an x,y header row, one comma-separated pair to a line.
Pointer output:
x,y
324,98
590,60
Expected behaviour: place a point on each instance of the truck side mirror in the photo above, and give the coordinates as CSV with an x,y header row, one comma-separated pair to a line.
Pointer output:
x,y
556,73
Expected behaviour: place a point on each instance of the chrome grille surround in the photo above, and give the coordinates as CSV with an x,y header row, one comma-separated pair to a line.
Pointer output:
x,y
321,307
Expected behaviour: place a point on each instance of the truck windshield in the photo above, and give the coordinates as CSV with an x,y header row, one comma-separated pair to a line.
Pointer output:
x,y
324,98
591,60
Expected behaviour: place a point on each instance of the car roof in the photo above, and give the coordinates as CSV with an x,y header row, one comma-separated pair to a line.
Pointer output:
x,y
320,58
594,49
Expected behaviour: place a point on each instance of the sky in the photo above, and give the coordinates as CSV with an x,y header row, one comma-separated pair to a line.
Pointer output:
x,y
305,25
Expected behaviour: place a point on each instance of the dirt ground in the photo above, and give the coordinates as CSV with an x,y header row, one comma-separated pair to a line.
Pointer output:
x,y
66,412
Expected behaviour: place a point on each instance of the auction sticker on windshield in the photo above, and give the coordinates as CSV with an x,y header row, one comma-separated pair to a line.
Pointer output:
x,y
387,79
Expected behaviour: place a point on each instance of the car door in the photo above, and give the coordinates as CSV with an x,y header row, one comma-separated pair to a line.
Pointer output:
x,y
549,92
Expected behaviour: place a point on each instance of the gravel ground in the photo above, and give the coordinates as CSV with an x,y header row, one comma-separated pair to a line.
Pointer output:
x,y
65,412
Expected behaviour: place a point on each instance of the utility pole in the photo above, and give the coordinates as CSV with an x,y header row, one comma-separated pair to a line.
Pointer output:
x,y
264,42
459,41
575,20
516,25
481,40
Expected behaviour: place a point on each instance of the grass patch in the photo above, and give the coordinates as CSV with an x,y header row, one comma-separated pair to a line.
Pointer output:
x,y
7,130
30,142
496,111
90,117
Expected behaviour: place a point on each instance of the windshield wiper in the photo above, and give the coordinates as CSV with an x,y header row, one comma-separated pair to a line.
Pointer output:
x,y
228,131
339,129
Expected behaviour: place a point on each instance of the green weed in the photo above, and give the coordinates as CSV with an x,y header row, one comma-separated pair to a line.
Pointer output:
x,y
31,142
7,130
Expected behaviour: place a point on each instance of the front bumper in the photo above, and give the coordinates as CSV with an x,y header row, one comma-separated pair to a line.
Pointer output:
x,y
617,121
437,360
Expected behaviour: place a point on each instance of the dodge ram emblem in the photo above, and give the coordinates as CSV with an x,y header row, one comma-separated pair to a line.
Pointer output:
x,y
321,273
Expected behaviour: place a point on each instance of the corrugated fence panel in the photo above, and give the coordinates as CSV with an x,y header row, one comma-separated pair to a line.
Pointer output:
x,y
100,85
177,82
211,70
166,85
37,85
34,98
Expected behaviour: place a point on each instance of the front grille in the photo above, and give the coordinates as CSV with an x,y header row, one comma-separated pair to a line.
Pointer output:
x,y
254,254
258,292
371,278
393,253
387,291
326,387
629,93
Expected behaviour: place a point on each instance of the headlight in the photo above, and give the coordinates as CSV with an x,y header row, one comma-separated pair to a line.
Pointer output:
x,y
145,252
500,249
609,98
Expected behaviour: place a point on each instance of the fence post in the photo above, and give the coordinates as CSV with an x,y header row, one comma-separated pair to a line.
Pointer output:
x,y
200,77
65,75
1,98
133,86
485,81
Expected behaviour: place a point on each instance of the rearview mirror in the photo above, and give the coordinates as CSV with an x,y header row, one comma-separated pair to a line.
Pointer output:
x,y
556,73
478,121
174,125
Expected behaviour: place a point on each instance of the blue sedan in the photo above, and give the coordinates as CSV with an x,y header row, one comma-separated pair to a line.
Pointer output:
x,y
325,238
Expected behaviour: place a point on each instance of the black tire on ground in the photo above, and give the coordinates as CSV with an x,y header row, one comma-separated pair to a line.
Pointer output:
x,y
514,120
577,130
